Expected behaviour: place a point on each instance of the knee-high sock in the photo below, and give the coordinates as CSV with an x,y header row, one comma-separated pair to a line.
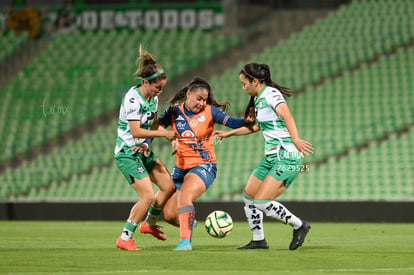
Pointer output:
x,y
186,216
153,215
254,218
276,210
128,230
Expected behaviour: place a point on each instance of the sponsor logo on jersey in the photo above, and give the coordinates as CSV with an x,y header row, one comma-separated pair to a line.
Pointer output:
x,y
180,118
131,111
132,100
180,125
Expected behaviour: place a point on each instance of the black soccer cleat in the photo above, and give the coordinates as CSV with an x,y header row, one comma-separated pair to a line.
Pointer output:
x,y
255,245
299,235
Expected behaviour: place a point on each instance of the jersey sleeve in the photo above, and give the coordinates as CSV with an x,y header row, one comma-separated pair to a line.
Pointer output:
x,y
132,107
275,98
165,119
222,118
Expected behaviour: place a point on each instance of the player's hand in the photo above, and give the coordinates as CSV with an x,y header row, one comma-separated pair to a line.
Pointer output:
x,y
220,134
143,148
170,135
250,117
303,146
175,145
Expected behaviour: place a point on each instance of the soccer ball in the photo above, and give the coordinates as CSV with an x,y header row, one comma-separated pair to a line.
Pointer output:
x,y
219,224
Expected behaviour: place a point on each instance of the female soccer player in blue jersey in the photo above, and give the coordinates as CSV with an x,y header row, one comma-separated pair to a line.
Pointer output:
x,y
283,152
137,113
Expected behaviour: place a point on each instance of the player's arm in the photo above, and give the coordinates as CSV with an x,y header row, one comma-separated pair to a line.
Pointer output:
x,y
245,130
144,147
223,118
138,132
303,146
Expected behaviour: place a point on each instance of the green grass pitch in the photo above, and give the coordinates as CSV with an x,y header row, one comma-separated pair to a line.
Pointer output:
x,y
33,247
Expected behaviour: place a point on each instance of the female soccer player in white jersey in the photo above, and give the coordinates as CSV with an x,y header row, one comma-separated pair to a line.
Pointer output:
x,y
137,113
282,160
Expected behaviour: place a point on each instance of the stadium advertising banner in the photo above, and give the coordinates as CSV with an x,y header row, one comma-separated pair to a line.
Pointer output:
x,y
89,19
149,19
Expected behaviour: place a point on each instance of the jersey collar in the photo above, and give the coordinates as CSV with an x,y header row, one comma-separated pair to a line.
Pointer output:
x,y
139,93
261,92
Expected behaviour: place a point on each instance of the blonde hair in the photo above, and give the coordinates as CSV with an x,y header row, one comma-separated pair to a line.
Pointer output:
x,y
147,66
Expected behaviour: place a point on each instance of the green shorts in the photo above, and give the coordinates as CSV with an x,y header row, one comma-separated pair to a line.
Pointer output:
x,y
284,167
136,165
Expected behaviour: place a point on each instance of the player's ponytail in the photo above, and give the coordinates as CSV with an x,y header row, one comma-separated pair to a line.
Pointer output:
x,y
148,69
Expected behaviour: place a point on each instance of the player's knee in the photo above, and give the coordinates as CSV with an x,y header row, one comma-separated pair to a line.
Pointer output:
x,y
148,200
170,216
170,189
174,222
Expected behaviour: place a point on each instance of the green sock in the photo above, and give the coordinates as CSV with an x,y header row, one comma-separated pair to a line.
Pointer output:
x,y
128,230
153,215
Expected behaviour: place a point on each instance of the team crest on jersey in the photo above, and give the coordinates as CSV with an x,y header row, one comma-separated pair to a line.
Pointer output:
x,y
140,169
261,103
201,118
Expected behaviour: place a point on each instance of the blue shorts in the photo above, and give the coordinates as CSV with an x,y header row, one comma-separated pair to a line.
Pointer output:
x,y
206,172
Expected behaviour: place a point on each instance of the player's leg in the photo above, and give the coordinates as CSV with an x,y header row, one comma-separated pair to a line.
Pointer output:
x,y
161,177
171,207
274,185
192,188
137,176
196,182
264,200
144,189
253,215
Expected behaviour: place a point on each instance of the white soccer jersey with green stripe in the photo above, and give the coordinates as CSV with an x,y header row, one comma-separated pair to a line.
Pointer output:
x,y
134,107
272,125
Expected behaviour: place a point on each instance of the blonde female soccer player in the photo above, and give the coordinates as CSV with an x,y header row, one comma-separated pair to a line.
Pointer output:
x,y
137,113
282,160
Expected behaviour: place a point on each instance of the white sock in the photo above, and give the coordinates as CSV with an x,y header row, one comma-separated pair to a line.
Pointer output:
x,y
254,218
128,230
276,210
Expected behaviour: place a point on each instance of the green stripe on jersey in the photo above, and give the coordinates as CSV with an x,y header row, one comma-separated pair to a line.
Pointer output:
x,y
270,126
